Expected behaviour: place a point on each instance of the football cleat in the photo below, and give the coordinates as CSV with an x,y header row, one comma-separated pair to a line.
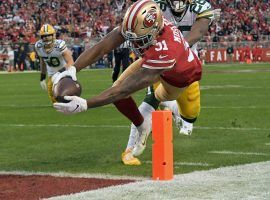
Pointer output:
x,y
143,131
140,145
184,127
129,159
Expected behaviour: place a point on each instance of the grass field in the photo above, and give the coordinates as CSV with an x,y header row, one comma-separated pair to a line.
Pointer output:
x,y
233,127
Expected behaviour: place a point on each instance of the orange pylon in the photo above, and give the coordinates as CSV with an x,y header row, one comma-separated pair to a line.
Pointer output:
x,y
162,148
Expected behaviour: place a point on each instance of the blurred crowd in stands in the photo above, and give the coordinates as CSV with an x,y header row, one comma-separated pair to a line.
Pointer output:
x,y
81,23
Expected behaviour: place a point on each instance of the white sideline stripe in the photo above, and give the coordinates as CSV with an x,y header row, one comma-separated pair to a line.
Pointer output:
x,y
18,72
178,164
33,71
245,182
267,144
26,106
232,128
36,106
208,87
234,95
126,126
204,107
65,125
236,107
239,153
72,175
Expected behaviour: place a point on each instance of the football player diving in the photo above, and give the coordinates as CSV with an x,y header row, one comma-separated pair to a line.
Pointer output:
x,y
165,57
192,18
53,55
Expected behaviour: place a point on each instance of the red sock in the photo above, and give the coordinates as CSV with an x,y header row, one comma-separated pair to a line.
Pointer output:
x,y
129,108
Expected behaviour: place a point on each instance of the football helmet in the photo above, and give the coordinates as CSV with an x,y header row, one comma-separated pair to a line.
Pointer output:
x,y
178,6
48,36
142,23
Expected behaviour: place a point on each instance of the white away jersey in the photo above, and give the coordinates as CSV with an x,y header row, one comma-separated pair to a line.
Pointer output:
x,y
53,60
196,10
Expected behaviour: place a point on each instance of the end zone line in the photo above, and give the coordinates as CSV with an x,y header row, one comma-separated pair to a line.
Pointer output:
x,y
127,126
239,153
72,175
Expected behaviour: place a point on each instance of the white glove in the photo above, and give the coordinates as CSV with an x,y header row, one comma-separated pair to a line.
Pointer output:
x,y
43,85
76,105
216,13
71,71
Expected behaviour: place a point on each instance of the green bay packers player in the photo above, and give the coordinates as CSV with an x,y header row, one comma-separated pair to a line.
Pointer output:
x,y
53,54
192,18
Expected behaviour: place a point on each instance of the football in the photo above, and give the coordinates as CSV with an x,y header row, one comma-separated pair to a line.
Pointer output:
x,y
66,87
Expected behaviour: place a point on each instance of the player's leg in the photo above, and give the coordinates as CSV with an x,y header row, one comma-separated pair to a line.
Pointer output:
x,y
116,68
128,106
149,104
125,59
189,107
50,90
163,92
127,156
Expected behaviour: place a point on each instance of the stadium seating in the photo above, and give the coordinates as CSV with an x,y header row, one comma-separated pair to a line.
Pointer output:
x,y
85,22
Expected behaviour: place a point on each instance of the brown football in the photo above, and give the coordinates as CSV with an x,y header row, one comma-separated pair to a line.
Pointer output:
x,y
66,87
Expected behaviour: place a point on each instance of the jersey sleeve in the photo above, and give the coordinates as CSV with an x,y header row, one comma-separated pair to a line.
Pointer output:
x,y
159,61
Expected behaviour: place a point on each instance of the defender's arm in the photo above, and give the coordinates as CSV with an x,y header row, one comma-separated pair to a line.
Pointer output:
x,y
198,30
67,54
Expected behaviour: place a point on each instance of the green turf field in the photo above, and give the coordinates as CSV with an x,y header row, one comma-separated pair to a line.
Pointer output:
x,y
233,127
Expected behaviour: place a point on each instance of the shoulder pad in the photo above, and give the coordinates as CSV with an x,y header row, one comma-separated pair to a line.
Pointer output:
x,y
60,45
200,6
162,4
38,44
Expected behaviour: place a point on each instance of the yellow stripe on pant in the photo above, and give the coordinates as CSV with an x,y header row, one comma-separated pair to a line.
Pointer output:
x,y
50,92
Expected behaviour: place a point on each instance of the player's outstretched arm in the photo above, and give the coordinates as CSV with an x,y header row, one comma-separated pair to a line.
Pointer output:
x,y
91,55
138,80
106,45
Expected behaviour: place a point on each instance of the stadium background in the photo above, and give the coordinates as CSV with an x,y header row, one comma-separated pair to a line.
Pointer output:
x,y
233,128
244,26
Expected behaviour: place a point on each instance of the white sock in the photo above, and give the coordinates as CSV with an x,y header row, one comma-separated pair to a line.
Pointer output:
x,y
133,136
146,111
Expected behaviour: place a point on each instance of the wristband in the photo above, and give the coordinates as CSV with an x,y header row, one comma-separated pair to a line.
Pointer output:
x,y
42,77
62,70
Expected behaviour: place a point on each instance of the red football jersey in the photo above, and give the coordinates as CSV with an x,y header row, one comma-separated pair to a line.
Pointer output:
x,y
172,52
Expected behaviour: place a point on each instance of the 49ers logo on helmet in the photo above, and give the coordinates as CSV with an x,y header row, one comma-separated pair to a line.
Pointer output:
x,y
150,18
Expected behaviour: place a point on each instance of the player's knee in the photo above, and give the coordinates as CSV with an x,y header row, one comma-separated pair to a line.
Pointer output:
x,y
190,102
193,92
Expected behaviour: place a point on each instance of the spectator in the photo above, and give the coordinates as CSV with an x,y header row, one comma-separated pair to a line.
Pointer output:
x,y
11,59
230,53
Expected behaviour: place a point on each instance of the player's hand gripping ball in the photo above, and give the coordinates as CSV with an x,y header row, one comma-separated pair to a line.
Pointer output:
x,y
66,87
